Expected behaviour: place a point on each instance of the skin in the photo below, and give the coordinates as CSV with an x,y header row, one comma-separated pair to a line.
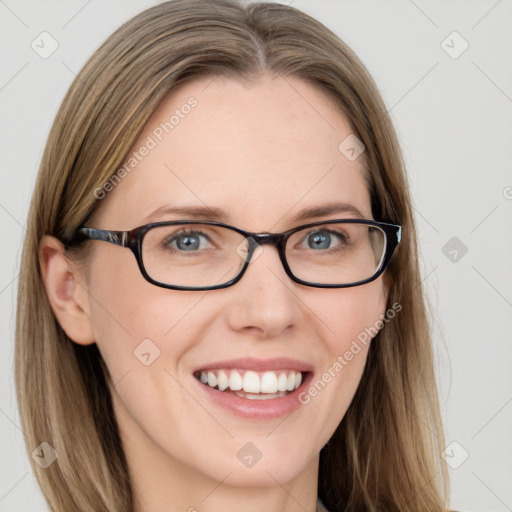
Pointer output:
x,y
261,151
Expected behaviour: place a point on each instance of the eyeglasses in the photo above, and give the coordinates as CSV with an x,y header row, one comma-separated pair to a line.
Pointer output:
x,y
191,255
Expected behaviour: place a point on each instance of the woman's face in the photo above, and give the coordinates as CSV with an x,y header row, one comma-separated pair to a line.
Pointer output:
x,y
262,153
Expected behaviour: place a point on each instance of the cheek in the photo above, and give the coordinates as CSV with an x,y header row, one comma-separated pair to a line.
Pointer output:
x,y
132,319
352,314
348,322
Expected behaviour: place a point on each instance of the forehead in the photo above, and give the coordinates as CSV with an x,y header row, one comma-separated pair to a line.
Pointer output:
x,y
260,151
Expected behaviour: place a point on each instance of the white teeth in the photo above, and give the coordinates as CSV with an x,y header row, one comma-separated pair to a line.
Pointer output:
x,y
252,382
282,382
260,396
222,380
290,384
235,381
270,383
212,379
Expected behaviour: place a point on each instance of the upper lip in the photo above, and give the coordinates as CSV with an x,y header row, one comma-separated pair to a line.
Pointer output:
x,y
251,363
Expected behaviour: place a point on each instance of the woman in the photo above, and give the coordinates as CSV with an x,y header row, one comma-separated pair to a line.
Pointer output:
x,y
220,304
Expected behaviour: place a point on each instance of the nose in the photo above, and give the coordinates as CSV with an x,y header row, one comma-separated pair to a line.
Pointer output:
x,y
265,300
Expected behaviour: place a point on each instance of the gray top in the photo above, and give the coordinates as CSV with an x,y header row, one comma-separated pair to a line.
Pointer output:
x,y
321,507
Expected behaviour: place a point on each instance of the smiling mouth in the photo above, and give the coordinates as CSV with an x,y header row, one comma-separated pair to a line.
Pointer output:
x,y
253,385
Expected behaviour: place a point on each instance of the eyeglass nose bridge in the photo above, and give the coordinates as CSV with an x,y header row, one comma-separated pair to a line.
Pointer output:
x,y
254,240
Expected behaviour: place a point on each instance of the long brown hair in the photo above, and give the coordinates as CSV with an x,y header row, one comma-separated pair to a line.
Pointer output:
x,y
385,454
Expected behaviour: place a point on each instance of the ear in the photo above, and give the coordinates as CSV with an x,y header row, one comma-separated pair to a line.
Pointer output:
x,y
66,291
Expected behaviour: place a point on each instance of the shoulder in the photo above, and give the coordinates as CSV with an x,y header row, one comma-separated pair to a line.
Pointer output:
x,y
321,506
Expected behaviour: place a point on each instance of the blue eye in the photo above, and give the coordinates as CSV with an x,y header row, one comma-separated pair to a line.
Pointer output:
x,y
190,241
323,239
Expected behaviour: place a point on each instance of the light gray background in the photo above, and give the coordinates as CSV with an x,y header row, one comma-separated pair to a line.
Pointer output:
x,y
453,116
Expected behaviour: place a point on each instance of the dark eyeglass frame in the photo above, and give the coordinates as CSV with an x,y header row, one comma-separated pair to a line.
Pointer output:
x,y
133,240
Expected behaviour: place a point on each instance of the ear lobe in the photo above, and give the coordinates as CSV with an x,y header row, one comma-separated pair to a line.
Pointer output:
x,y
66,296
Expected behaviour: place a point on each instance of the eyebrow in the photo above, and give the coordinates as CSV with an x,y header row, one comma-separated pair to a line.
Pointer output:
x,y
219,215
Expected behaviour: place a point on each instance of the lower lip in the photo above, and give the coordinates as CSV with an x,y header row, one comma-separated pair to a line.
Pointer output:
x,y
257,409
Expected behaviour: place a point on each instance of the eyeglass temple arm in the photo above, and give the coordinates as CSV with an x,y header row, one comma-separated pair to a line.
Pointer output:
x,y
113,237
399,234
